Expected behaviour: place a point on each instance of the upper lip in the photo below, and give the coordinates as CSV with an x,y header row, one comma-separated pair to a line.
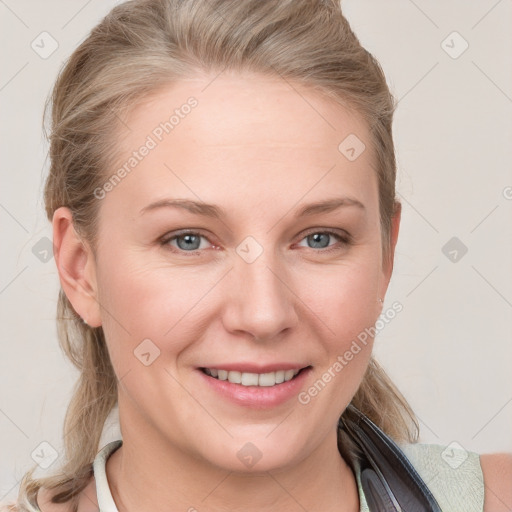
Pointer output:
x,y
256,368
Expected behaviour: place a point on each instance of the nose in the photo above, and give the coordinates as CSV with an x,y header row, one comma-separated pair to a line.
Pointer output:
x,y
261,300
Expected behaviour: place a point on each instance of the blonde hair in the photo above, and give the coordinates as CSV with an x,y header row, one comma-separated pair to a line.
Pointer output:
x,y
140,46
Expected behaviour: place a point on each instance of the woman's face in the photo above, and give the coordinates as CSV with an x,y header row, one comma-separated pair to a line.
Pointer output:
x,y
263,282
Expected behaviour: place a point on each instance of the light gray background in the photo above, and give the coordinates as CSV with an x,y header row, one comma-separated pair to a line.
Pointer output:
x,y
449,350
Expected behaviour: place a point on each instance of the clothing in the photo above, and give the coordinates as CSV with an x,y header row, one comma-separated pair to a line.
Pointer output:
x,y
457,489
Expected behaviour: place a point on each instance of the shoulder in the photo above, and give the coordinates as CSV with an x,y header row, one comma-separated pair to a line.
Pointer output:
x,y
452,474
497,471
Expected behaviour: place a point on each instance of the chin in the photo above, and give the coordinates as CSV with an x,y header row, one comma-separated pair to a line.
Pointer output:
x,y
259,455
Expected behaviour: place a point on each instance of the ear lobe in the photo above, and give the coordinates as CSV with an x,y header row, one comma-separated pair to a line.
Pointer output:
x,y
76,267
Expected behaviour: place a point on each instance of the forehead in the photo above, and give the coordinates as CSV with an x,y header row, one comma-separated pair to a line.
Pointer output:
x,y
212,133
249,108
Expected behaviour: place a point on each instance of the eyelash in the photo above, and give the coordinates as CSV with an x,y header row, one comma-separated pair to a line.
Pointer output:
x,y
345,240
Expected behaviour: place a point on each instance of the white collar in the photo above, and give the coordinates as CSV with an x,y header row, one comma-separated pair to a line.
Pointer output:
x,y
106,502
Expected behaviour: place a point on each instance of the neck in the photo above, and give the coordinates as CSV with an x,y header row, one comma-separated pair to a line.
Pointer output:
x,y
150,473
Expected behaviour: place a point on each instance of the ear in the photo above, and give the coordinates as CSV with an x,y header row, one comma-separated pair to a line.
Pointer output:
x,y
387,265
76,267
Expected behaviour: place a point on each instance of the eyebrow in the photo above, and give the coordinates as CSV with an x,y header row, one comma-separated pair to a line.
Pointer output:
x,y
210,210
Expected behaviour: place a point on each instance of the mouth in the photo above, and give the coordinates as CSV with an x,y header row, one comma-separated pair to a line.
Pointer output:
x,y
248,379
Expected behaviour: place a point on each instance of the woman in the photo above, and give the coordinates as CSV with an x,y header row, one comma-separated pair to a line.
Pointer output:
x,y
222,193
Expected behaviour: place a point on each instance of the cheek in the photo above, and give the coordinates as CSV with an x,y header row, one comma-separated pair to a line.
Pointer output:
x,y
141,303
348,309
345,298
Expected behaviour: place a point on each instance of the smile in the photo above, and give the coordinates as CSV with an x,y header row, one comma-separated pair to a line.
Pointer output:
x,y
252,379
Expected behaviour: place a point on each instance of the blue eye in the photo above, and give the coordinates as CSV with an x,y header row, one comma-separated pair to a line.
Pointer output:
x,y
187,242
320,240
190,241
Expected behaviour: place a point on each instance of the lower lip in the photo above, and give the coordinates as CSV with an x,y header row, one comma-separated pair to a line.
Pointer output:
x,y
258,397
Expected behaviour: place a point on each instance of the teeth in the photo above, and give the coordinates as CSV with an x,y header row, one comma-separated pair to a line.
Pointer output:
x,y
234,377
253,379
248,379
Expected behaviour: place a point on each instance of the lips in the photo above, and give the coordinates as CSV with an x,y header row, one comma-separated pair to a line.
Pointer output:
x,y
266,395
256,368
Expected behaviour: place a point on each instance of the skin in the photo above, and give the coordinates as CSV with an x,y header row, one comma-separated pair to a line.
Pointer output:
x,y
261,150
